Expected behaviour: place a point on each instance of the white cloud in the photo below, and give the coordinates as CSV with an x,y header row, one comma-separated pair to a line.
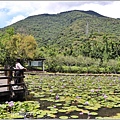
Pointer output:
x,y
15,19
111,10
13,11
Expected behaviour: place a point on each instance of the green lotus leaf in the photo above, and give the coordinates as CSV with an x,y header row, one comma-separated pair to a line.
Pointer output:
x,y
78,109
40,116
63,117
51,115
57,101
50,99
50,107
80,106
66,105
85,111
58,104
93,113
74,116
54,108
44,112
62,110
81,101
73,108
99,118
43,99
91,108
61,100
15,115
54,111
53,94
32,93
117,106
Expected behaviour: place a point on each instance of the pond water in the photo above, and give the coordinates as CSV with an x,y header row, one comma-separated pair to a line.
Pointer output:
x,y
67,97
77,96
102,112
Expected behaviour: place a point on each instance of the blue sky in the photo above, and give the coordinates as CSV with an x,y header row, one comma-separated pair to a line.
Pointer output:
x,y
13,11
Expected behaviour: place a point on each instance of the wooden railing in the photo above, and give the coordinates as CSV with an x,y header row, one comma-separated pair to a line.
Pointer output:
x,y
7,89
9,75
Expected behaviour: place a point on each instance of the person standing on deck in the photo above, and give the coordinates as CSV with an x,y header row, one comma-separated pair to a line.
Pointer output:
x,y
18,73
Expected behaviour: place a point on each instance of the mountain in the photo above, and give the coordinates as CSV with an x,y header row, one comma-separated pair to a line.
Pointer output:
x,y
66,26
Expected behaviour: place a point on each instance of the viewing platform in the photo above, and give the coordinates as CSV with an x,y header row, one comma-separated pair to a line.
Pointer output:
x,y
8,89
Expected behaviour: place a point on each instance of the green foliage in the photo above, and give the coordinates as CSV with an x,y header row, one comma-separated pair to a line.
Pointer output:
x,y
62,38
71,25
16,45
80,64
4,38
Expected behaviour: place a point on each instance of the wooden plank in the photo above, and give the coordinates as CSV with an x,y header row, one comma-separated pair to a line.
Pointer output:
x,y
3,82
4,77
12,84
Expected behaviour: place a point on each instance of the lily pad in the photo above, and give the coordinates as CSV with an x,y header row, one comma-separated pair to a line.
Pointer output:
x,y
63,117
80,106
74,116
51,115
40,116
58,104
61,110
93,113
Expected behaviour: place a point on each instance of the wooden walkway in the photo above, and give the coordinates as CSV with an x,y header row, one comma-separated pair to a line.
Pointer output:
x,y
7,86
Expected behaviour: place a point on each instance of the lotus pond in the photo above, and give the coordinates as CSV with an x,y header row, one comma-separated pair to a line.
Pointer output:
x,y
67,97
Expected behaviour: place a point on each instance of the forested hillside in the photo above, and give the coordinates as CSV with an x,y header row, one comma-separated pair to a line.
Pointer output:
x,y
47,28
75,39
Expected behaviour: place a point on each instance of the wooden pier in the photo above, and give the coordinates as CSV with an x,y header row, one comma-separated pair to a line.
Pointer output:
x,y
8,89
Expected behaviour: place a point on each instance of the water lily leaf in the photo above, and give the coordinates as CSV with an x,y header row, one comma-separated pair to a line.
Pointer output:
x,y
93,113
50,107
58,104
74,116
61,110
15,115
98,117
63,117
85,111
54,111
50,99
117,106
43,98
91,108
40,116
57,101
51,115
80,106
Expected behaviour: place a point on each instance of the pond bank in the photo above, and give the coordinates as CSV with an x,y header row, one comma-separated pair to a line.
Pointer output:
x,y
67,74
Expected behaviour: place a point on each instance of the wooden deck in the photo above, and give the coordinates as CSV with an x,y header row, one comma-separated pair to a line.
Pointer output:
x,y
9,90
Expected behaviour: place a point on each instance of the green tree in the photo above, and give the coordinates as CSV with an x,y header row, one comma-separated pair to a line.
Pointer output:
x,y
21,46
5,36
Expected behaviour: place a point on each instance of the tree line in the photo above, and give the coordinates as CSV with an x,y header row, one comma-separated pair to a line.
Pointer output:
x,y
94,53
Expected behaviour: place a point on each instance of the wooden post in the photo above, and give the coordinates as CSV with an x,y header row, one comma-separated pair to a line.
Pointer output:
x,y
9,79
22,74
5,72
